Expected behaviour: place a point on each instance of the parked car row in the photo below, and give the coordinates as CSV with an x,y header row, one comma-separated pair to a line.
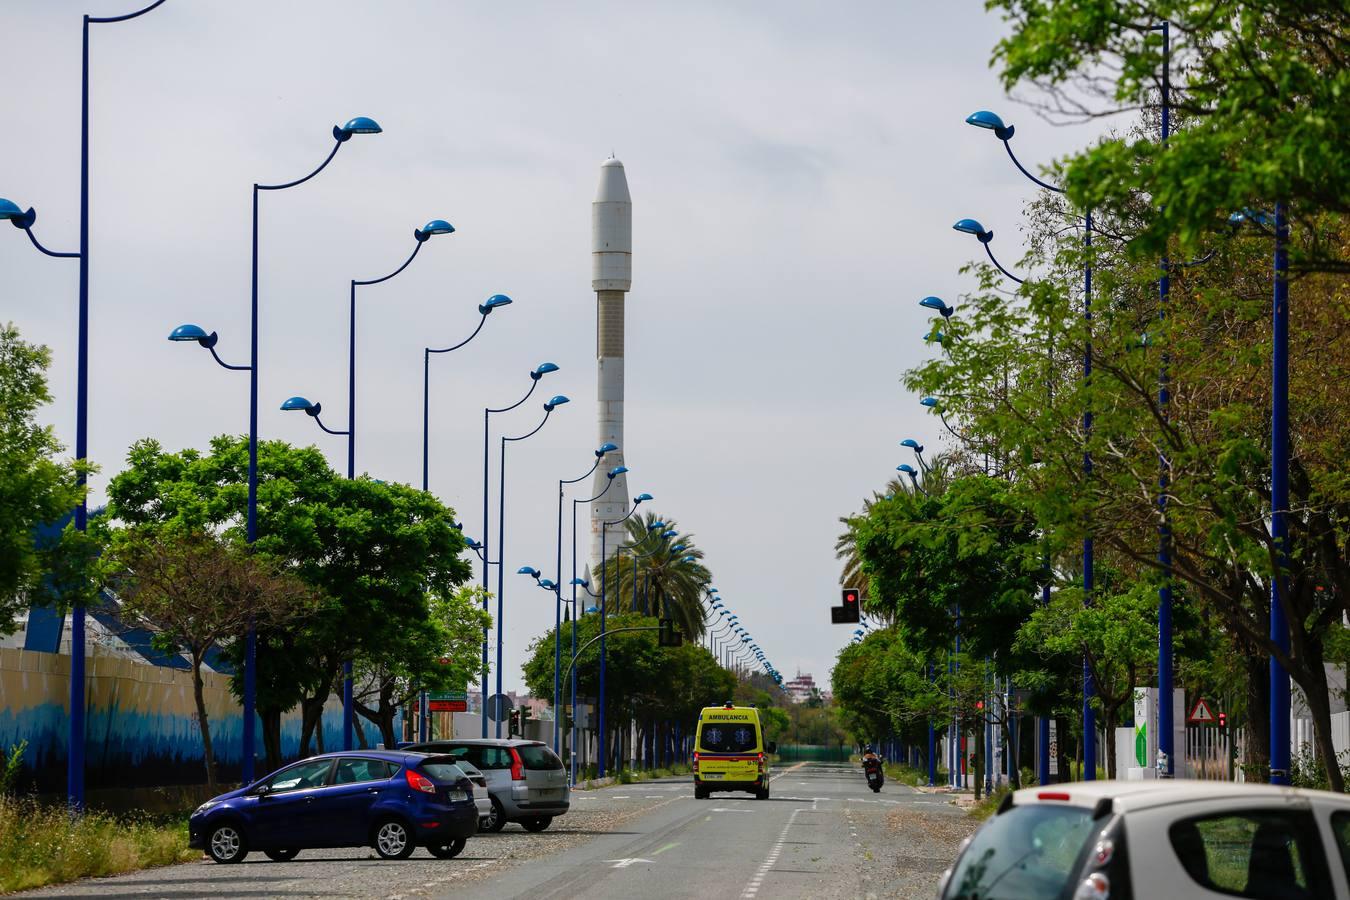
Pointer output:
x,y
435,795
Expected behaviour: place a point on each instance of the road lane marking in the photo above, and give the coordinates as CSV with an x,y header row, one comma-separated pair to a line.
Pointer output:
x,y
625,863
757,881
727,809
665,848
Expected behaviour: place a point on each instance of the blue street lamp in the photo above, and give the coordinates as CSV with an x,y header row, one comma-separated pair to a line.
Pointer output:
x,y
990,121
604,530
585,584
75,735
600,453
938,305
536,374
552,404
484,310
359,125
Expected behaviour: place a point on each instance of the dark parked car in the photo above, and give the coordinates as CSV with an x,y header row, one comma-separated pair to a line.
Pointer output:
x,y
394,801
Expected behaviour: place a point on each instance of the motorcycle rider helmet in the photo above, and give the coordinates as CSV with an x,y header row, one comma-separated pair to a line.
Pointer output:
x,y
869,749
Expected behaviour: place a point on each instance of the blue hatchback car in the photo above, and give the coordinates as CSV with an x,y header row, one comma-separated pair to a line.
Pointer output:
x,y
394,801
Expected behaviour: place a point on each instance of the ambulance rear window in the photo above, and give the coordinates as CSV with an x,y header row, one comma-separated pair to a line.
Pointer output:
x,y
728,737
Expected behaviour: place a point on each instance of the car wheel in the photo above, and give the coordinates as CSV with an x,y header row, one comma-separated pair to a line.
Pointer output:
x,y
226,843
393,840
536,823
282,855
762,793
448,851
700,793
494,821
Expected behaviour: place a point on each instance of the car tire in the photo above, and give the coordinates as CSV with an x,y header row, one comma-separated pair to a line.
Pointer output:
x,y
226,843
282,855
448,851
536,823
700,793
496,821
393,839
762,793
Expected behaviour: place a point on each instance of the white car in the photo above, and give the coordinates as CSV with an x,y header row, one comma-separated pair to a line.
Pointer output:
x,y
1140,840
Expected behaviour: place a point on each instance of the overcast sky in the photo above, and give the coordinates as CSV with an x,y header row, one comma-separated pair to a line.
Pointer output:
x,y
795,169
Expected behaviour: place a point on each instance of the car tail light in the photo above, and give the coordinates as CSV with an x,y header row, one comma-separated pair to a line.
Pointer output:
x,y
761,762
1095,887
419,782
695,761
517,767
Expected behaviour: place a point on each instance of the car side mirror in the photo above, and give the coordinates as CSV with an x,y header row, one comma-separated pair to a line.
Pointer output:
x,y
771,747
262,790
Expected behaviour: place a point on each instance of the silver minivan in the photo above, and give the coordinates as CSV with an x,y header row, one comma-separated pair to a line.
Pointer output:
x,y
526,780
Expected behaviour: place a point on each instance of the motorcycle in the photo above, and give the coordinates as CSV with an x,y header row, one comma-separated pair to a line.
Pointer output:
x,y
875,777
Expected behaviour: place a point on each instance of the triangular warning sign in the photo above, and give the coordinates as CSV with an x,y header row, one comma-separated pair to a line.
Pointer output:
x,y
1201,714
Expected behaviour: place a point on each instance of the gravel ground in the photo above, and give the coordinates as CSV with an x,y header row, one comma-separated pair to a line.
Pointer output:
x,y
904,849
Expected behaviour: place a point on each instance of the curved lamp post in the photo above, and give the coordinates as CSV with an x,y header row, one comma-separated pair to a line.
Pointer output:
x,y
75,735
600,454
551,405
604,529
990,121
537,373
358,125
484,310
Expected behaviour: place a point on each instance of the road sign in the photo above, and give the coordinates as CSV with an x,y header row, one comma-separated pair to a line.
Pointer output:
x,y
1054,747
499,707
1201,714
447,701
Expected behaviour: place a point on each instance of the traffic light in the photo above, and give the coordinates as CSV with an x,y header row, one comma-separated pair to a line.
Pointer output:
x,y
667,634
515,722
847,612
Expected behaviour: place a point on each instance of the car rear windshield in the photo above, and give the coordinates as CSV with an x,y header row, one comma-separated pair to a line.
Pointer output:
x,y
538,756
442,769
1027,853
729,737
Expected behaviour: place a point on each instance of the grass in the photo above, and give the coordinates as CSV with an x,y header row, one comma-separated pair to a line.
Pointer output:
x,y
905,774
42,845
987,805
629,776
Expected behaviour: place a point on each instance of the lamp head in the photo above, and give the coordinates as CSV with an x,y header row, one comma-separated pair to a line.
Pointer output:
x,y
616,472
970,226
492,303
543,369
194,333
17,216
472,544
592,609
985,119
935,335
691,559
528,570
580,582
669,534
937,304
359,125
656,525
677,548
547,584
930,402
907,469
912,444
555,403
435,226
641,498
604,448
294,404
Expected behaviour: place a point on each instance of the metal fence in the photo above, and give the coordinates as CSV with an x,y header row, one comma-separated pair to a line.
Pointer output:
x,y
1214,754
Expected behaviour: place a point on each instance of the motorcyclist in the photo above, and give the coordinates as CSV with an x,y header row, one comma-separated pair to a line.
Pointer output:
x,y
871,764
870,756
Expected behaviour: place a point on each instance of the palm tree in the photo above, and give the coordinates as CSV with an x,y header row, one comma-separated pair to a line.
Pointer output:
x,y
666,571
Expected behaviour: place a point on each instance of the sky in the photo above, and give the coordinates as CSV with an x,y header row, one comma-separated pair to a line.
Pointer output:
x,y
795,170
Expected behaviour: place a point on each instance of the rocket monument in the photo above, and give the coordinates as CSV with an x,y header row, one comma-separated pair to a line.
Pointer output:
x,y
611,277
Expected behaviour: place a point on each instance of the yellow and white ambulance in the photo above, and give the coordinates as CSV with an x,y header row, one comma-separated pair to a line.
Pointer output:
x,y
730,753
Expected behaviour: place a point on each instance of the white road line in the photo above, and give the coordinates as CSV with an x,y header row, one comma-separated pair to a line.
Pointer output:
x,y
753,887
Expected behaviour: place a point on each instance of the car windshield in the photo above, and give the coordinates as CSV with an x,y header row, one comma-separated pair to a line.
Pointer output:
x,y
1027,853
729,737
538,756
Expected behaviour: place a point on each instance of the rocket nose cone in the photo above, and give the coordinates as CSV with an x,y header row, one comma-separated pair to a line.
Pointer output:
x,y
613,183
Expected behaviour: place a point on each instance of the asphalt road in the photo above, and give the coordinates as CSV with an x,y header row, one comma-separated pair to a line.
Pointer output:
x,y
822,834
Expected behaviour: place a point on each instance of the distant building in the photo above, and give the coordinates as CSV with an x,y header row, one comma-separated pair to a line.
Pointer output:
x,y
802,688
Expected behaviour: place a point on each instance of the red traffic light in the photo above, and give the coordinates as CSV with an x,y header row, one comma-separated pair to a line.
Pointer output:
x,y
850,596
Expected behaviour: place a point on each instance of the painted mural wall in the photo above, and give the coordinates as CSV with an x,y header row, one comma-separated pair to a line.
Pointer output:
x,y
141,721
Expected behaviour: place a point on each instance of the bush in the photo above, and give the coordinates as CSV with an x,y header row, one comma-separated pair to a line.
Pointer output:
x,y
45,845
11,764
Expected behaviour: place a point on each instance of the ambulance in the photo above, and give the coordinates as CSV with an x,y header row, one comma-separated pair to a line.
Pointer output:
x,y
730,753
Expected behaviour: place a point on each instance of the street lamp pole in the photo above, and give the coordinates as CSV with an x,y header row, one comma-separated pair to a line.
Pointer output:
x,y
539,372
1279,501
501,532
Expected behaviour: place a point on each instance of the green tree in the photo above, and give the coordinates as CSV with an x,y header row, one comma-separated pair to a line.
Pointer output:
x,y
375,552
196,593
36,489
439,653
673,584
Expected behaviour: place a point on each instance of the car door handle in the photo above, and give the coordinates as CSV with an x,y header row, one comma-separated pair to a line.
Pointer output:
x,y
372,790
309,799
